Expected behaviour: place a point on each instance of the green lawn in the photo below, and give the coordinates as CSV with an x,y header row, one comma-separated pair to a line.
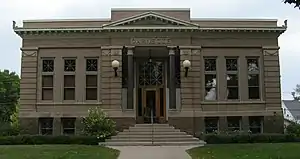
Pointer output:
x,y
57,152
247,151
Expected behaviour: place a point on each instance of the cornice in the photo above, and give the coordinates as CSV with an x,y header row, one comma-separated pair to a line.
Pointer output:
x,y
38,31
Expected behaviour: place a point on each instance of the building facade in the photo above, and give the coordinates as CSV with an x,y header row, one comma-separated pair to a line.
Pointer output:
x,y
151,65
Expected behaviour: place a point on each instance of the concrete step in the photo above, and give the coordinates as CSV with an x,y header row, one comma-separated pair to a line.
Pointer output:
x,y
153,143
152,140
151,130
151,133
152,125
153,136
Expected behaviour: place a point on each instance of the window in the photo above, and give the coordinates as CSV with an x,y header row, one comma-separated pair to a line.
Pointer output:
x,y
68,126
211,124
70,65
210,71
234,123
255,124
46,126
47,87
48,65
69,87
91,64
91,87
47,79
253,78
232,78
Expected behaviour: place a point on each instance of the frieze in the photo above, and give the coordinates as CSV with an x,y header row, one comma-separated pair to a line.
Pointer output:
x,y
150,41
106,52
185,52
271,52
29,53
196,52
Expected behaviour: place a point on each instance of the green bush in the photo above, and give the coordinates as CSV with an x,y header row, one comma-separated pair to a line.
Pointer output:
x,y
249,138
293,129
7,129
98,124
39,139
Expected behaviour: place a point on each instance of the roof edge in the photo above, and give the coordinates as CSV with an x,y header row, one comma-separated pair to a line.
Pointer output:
x,y
233,19
66,20
150,9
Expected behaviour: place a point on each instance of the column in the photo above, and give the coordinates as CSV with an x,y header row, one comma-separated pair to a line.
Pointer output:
x,y
130,79
172,87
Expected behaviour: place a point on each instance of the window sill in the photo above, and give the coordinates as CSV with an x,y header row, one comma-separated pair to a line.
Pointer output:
x,y
231,102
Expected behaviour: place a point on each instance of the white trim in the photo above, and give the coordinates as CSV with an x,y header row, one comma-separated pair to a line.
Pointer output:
x,y
232,19
150,9
67,20
149,14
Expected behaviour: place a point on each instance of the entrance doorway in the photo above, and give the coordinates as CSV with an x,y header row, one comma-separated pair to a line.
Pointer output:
x,y
151,89
153,105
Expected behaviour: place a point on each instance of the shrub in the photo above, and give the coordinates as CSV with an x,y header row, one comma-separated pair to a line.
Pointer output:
x,y
7,129
249,138
98,124
39,139
293,129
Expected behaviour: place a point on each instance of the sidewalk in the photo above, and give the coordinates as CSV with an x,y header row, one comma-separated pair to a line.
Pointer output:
x,y
153,152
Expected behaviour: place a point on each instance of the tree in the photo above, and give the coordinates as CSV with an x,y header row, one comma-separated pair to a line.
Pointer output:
x,y
9,94
296,93
294,2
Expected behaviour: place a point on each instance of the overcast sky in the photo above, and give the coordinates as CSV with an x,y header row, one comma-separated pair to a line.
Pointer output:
x,y
19,10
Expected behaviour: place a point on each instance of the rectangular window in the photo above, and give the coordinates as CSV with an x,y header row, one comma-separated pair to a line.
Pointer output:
x,y
68,126
47,87
234,123
91,87
211,124
232,78
46,126
210,75
69,87
255,124
253,78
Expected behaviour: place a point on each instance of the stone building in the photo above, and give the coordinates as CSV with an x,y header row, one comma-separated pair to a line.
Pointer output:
x,y
151,65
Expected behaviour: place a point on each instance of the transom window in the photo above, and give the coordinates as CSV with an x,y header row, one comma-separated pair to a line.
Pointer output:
x,y
151,73
91,64
48,65
70,65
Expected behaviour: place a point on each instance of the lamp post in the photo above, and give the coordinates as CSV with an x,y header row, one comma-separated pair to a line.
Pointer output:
x,y
115,64
186,64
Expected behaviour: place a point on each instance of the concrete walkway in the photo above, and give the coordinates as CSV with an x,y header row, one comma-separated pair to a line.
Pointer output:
x,y
153,152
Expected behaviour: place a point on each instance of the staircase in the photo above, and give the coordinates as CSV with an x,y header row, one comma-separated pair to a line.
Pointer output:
x,y
152,135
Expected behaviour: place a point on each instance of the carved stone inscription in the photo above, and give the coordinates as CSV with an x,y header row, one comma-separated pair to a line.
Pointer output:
x,y
150,41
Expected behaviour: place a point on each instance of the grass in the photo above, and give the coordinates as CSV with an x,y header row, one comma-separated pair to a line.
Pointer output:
x,y
247,151
57,152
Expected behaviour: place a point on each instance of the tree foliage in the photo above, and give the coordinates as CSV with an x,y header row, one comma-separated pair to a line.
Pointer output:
x,y
296,92
98,124
296,3
9,94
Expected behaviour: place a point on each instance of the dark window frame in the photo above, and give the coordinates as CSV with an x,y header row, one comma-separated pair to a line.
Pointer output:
x,y
210,72
46,130
232,70
67,87
254,73
65,128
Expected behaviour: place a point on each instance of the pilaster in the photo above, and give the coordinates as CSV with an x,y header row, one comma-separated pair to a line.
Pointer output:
x,y
271,76
172,87
111,86
130,78
29,79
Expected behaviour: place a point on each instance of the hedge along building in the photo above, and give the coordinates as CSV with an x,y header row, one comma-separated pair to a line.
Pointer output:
x,y
151,65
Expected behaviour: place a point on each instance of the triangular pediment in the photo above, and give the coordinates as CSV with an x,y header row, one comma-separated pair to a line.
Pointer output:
x,y
149,19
